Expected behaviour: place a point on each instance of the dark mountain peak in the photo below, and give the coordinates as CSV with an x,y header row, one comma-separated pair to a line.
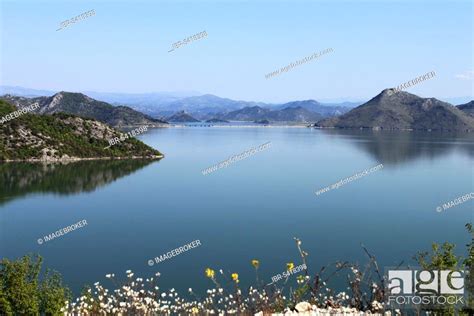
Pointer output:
x,y
67,94
324,110
310,101
295,108
208,95
400,110
467,108
389,98
74,96
466,105
181,116
388,91
257,114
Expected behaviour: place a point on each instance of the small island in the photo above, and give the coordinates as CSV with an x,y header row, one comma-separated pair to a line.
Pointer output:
x,y
182,117
263,122
64,137
216,120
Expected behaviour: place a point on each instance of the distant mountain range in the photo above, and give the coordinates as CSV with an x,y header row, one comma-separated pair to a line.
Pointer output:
x,y
209,106
201,107
256,113
322,109
391,110
82,105
162,104
206,105
253,114
388,110
143,99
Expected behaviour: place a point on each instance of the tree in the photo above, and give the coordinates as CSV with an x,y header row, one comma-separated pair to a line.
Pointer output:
x,y
22,292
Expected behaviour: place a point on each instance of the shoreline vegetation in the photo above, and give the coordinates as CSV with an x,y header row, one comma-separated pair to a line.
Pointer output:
x,y
64,137
25,291
74,159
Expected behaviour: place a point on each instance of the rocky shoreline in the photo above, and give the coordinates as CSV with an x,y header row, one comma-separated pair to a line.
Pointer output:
x,y
72,159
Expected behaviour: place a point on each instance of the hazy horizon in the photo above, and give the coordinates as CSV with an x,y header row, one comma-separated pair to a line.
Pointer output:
x,y
452,100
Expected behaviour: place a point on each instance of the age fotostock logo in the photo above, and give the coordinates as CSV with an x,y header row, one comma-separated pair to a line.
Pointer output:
x,y
425,287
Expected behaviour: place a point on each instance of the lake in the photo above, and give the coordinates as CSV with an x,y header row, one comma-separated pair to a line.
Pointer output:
x,y
137,210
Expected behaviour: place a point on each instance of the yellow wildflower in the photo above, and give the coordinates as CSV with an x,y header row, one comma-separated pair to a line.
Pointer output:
x,y
194,310
255,263
235,277
210,273
290,266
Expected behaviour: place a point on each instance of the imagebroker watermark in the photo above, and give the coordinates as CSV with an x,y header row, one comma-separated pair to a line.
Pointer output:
x,y
430,288
298,62
415,81
62,231
232,159
456,201
82,16
20,112
132,133
175,252
351,178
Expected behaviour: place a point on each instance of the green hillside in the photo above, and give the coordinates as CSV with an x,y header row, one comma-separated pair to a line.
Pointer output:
x,y
62,136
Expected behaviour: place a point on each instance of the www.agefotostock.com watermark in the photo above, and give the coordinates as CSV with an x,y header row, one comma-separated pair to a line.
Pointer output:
x,y
351,178
299,62
62,231
132,133
425,288
20,112
456,201
175,252
82,16
235,158
188,40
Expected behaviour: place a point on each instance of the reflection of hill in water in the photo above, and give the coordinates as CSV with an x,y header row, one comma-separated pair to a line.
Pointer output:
x,y
19,179
399,147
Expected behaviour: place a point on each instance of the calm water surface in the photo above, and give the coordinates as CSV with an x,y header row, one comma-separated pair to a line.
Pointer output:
x,y
137,210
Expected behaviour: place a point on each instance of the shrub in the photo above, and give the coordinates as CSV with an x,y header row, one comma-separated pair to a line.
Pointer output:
x,y
23,292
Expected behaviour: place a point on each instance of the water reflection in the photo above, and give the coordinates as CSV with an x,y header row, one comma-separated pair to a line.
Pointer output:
x,y
20,179
399,147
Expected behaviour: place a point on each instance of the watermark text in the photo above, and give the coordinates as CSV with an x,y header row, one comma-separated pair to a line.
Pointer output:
x,y
175,252
62,231
19,112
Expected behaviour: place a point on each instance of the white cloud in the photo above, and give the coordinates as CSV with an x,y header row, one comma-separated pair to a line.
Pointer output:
x,y
467,75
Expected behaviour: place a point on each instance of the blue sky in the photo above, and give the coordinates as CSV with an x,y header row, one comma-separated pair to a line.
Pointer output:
x,y
124,47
